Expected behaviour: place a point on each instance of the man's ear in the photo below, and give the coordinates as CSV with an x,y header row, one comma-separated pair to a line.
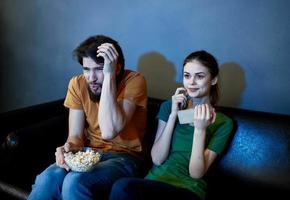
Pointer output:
x,y
118,69
214,80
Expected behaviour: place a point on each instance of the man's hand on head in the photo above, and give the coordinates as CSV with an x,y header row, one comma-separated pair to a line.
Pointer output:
x,y
110,55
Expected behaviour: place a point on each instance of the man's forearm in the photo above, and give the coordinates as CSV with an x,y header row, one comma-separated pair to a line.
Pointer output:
x,y
111,117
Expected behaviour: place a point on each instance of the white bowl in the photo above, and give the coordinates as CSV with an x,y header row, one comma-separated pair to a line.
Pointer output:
x,y
82,161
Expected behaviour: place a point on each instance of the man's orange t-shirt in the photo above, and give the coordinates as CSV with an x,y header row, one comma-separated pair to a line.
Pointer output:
x,y
133,88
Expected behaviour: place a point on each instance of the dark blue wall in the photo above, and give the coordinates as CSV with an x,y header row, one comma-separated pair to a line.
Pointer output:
x,y
250,39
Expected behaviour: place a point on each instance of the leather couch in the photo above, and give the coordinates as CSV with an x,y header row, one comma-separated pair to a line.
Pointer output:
x,y
255,165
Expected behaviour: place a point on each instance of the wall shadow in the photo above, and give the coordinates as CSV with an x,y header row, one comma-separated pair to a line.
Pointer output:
x,y
6,62
160,75
232,84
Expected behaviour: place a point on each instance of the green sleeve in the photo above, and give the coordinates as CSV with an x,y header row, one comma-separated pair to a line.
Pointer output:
x,y
164,111
222,131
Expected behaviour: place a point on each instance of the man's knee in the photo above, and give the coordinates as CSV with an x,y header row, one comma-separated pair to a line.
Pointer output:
x,y
71,181
124,189
81,186
47,184
50,177
124,185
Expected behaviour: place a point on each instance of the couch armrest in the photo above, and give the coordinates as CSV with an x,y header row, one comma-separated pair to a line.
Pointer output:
x,y
37,134
25,152
13,191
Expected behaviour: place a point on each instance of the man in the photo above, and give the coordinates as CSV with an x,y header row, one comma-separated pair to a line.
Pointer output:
x,y
107,111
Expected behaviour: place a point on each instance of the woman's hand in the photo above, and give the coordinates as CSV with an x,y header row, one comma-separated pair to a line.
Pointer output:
x,y
59,154
110,55
204,115
178,100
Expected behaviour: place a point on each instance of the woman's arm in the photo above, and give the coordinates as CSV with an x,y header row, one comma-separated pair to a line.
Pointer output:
x,y
160,149
161,146
201,158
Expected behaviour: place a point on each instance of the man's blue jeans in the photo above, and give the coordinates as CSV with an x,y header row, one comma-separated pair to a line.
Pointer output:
x,y
57,183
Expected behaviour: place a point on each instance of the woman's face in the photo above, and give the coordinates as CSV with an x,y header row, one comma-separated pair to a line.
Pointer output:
x,y
197,79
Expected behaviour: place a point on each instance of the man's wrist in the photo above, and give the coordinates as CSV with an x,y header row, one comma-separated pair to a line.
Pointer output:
x,y
108,69
110,75
74,141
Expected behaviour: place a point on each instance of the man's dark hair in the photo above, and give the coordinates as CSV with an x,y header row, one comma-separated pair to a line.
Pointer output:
x,y
89,47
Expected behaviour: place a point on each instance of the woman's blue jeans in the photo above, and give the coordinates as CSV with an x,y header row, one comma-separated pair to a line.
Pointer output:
x,y
57,183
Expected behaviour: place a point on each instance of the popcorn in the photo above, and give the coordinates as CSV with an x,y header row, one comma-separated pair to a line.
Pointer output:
x,y
82,161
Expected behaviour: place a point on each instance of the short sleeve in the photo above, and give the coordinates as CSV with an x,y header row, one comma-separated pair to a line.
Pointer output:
x,y
136,90
164,111
73,99
221,136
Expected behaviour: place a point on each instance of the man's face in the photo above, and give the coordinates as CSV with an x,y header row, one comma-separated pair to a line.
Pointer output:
x,y
93,73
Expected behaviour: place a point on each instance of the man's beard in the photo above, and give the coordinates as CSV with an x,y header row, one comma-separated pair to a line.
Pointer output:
x,y
94,97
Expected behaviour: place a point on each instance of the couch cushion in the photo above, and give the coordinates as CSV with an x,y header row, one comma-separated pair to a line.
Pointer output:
x,y
257,158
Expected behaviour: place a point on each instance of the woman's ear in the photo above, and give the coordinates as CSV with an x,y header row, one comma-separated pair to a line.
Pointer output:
x,y
214,80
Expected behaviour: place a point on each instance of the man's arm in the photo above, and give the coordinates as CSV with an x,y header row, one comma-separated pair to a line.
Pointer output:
x,y
76,127
113,116
75,136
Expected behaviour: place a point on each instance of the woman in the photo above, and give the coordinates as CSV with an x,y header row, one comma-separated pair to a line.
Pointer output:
x,y
183,153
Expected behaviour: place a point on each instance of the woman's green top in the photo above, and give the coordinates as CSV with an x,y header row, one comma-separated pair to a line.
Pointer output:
x,y
175,170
